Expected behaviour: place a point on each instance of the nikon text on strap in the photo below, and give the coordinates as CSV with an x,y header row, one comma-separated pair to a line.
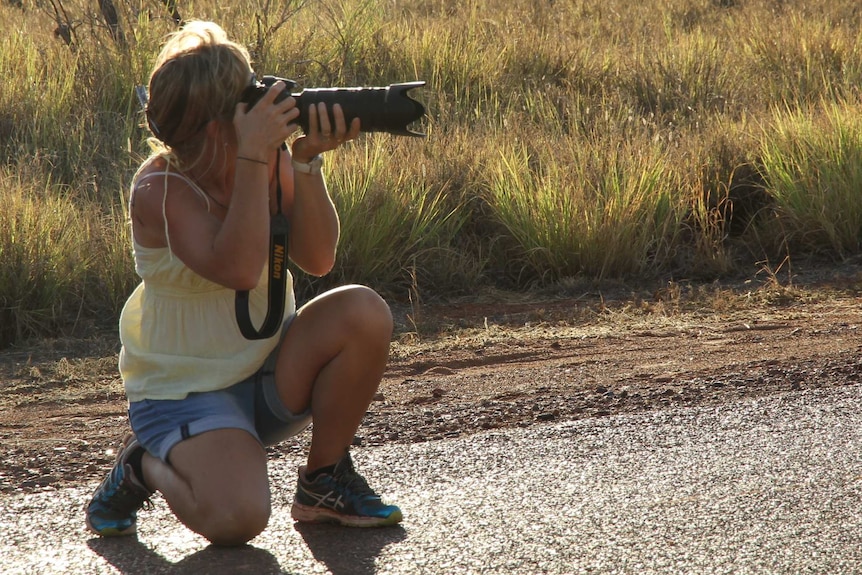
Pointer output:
x,y
278,231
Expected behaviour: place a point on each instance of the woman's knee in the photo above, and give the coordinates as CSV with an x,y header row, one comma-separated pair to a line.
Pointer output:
x,y
234,521
369,311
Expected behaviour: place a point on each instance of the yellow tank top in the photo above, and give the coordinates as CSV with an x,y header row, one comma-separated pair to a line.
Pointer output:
x,y
179,332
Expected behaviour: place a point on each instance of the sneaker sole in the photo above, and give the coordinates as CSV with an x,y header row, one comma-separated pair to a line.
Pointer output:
x,y
112,532
309,514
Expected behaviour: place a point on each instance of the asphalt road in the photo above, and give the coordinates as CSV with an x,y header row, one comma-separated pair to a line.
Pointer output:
x,y
772,485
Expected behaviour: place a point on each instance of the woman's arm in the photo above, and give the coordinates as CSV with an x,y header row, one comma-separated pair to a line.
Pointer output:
x,y
227,242
313,219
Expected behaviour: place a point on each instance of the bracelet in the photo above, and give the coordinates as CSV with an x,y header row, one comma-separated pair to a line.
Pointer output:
x,y
252,160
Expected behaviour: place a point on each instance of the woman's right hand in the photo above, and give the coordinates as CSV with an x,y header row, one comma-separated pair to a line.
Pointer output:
x,y
265,126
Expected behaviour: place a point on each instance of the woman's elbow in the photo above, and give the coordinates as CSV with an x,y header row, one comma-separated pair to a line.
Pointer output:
x,y
318,266
319,271
243,277
244,283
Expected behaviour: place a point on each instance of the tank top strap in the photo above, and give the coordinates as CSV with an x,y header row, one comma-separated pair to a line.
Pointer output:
x,y
187,180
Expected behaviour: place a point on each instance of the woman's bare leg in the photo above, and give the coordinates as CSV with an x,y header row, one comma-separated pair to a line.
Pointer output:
x,y
216,484
333,358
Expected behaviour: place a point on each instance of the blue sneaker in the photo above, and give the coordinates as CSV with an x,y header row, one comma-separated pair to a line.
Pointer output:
x,y
113,510
341,497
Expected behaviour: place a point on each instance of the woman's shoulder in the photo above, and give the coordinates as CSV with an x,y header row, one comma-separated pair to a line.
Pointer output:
x,y
157,166
159,178
155,182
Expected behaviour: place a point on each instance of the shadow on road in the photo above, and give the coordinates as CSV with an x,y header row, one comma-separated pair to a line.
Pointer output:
x,y
130,556
348,551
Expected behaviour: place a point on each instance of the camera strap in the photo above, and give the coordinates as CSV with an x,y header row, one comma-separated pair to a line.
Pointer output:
x,y
278,231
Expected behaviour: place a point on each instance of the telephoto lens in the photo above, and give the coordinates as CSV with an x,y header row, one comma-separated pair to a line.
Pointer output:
x,y
379,109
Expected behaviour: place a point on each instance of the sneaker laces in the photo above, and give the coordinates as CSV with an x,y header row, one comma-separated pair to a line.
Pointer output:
x,y
127,501
128,497
350,479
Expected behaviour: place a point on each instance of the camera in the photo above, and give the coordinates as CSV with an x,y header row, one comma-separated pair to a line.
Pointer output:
x,y
384,109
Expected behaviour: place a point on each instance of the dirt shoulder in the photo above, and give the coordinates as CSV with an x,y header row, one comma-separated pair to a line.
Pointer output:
x,y
503,362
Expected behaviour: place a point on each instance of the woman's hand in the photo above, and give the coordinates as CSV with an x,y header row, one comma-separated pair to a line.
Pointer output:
x,y
265,126
322,136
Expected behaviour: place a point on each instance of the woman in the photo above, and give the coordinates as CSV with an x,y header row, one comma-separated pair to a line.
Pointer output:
x,y
203,400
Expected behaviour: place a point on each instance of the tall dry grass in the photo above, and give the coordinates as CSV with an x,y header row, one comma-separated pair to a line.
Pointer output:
x,y
583,139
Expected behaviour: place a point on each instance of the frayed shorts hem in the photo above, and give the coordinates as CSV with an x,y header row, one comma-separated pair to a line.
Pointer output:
x,y
196,427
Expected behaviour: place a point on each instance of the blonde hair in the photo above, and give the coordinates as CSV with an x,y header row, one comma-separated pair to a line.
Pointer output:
x,y
198,76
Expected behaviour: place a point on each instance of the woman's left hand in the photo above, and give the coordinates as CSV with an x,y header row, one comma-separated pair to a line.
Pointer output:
x,y
322,135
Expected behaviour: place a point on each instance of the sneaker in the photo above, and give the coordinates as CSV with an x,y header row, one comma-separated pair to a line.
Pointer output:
x,y
342,497
113,510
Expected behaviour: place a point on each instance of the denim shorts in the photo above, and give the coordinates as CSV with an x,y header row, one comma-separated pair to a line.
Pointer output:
x,y
252,404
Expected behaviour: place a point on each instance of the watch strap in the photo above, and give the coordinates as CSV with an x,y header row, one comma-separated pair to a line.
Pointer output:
x,y
311,167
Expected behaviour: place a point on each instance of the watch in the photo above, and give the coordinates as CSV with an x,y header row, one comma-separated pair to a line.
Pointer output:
x,y
312,167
